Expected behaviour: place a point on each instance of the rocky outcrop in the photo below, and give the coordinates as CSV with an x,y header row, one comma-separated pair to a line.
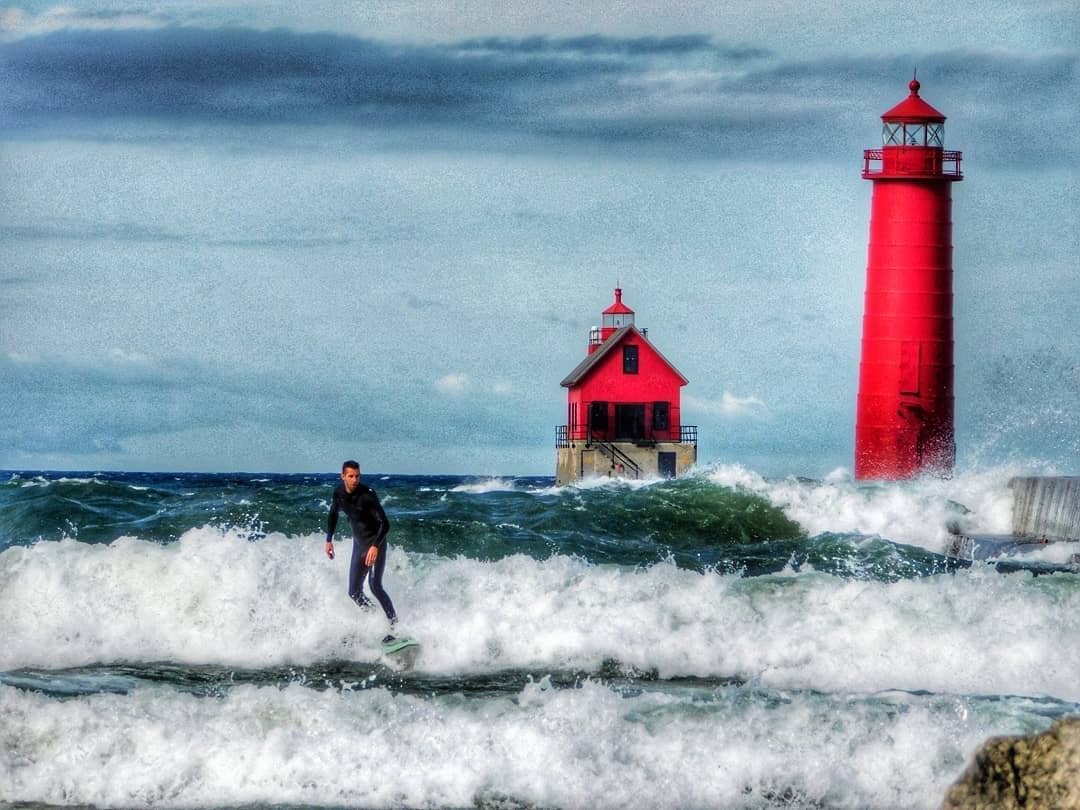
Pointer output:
x,y
1036,772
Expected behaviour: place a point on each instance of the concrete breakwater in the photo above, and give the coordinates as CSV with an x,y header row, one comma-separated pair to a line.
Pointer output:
x,y
1046,507
1046,510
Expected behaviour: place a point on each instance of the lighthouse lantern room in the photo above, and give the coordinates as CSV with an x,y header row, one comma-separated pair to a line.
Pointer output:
x,y
904,413
623,407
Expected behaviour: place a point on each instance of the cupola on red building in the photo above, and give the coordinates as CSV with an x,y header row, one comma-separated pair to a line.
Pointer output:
x,y
623,407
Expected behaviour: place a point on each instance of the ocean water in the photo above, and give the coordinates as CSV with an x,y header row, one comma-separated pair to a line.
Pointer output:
x,y
721,641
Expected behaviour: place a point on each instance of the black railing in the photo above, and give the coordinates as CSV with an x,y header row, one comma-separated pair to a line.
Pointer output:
x,y
688,435
914,161
619,458
562,436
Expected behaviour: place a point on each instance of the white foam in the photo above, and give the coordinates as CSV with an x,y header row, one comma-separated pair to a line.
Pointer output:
x,y
586,747
915,512
1058,552
485,486
42,481
602,482
216,598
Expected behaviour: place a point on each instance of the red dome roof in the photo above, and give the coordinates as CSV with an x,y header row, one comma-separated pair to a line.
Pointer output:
x,y
913,108
618,308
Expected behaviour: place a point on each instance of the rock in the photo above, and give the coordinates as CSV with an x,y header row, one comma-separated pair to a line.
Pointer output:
x,y
1034,772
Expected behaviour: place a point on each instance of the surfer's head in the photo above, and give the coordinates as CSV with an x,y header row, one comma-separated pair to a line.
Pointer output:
x,y
350,474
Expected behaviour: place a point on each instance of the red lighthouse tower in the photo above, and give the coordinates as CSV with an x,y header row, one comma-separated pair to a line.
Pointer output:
x,y
904,416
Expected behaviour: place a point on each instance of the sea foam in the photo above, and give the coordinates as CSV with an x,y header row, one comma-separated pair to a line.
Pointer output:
x,y
916,512
217,597
586,747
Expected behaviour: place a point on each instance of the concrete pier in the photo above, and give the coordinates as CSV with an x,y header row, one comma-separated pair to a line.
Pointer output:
x,y
623,459
1046,510
1046,507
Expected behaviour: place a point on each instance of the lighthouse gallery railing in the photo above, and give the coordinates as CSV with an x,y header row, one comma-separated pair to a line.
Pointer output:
x,y
899,162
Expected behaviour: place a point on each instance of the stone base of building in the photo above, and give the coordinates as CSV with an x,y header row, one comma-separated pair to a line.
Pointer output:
x,y
623,460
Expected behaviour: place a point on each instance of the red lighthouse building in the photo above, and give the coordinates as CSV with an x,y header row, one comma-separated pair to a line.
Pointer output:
x,y
904,414
623,407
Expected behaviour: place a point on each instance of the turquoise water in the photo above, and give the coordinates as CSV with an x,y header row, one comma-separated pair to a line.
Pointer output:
x,y
718,641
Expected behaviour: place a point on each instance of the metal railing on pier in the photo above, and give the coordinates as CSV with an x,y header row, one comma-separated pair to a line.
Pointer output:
x,y
688,434
619,458
562,436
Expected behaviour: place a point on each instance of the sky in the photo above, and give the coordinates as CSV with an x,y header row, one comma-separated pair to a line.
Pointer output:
x,y
266,237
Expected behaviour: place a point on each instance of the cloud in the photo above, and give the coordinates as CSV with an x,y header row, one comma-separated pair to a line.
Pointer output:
x,y
453,384
257,76
597,45
459,383
687,94
17,23
71,229
123,357
728,406
690,91
77,405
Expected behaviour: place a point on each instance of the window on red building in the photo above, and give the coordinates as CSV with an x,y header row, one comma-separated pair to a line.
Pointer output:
x,y
660,418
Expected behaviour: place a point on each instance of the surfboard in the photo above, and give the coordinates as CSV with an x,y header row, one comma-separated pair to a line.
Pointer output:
x,y
401,651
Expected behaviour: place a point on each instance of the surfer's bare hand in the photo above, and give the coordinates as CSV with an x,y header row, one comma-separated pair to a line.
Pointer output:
x,y
330,550
371,556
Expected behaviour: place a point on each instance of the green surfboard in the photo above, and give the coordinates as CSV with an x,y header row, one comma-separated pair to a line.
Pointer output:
x,y
392,644
401,651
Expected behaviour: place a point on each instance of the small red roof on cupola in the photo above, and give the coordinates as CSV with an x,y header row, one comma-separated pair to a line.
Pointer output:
x,y
618,308
913,108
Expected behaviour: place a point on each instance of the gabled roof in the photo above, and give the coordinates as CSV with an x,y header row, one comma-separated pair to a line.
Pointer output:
x,y
585,367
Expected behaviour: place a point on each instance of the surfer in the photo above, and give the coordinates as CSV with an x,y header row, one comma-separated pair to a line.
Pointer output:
x,y
369,528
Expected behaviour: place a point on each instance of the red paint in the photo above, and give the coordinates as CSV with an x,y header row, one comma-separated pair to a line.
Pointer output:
x,y
904,415
607,403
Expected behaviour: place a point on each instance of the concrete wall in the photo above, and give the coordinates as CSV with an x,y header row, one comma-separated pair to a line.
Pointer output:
x,y
1046,506
586,461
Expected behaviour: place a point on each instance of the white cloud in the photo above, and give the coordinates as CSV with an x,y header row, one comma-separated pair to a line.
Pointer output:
x,y
121,357
729,405
453,384
459,383
15,22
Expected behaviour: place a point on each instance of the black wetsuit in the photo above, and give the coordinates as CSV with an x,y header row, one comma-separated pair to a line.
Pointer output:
x,y
369,528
